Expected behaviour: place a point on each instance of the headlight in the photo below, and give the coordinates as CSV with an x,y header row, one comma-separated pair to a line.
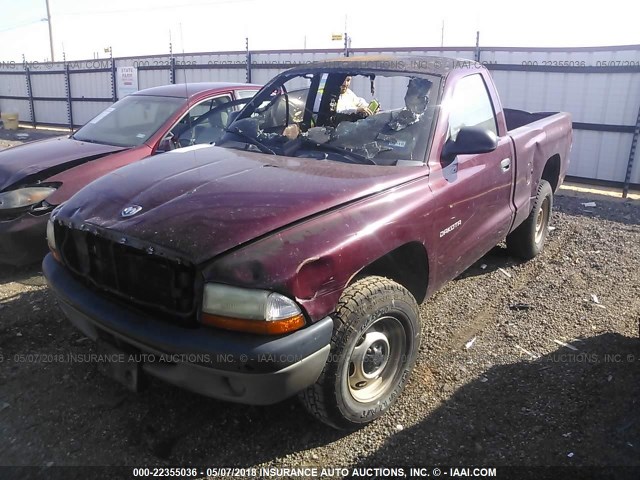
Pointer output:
x,y
248,310
51,240
24,197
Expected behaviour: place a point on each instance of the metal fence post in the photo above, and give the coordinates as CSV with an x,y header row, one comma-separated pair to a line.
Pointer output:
x,y
32,110
114,93
248,60
632,156
248,67
67,86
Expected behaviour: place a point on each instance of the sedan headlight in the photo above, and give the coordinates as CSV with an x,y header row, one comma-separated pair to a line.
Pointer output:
x,y
248,310
24,197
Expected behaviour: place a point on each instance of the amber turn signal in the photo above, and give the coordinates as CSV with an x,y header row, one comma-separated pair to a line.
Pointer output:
x,y
260,327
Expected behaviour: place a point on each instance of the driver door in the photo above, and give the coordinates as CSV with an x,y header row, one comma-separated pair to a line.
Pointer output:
x,y
473,192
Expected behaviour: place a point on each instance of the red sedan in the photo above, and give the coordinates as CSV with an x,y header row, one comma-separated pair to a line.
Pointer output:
x,y
38,176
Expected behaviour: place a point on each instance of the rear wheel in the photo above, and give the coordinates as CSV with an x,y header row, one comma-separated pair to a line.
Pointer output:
x,y
373,349
527,240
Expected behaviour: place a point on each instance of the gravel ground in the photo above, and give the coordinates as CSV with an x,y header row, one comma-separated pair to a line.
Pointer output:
x,y
11,138
532,363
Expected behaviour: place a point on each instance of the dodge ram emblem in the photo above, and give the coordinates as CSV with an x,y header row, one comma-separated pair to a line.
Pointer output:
x,y
130,211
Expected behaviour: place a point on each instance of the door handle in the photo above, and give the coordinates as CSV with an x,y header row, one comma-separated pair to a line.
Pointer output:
x,y
505,164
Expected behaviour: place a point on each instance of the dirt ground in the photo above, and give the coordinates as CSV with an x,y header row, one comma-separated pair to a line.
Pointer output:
x,y
10,138
527,364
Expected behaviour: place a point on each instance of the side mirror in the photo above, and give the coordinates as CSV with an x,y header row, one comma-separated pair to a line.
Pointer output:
x,y
470,140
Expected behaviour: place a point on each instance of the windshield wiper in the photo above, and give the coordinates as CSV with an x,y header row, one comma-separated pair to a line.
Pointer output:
x,y
342,151
251,140
100,142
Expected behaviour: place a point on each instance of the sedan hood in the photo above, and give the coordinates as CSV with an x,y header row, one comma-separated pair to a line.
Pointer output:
x,y
202,201
37,161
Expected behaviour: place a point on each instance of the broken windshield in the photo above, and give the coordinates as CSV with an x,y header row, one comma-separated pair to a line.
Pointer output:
x,y
363,117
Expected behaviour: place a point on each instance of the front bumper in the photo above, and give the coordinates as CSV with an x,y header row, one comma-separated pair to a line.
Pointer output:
x,y
23,240
250,369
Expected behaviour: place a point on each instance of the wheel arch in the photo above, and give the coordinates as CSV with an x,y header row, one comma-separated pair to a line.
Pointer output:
x,y
407,265
551,172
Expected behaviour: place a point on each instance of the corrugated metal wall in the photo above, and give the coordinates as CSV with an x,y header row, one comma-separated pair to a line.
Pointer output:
x,y
600,87
14,86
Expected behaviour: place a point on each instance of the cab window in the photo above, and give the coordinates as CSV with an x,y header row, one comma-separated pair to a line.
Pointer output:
x,y
471,106
245,93
206,105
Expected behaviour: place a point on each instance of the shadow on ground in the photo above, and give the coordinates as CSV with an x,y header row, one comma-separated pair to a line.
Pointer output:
x,y
511,415
27,275
498,257
57,408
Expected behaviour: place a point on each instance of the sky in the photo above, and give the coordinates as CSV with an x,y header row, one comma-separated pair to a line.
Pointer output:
x,y
145,27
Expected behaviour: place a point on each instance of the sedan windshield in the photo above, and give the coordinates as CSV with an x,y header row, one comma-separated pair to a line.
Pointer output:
x,y
130,121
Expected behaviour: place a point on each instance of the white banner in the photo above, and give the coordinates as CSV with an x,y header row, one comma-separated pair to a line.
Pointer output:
x,y
127,81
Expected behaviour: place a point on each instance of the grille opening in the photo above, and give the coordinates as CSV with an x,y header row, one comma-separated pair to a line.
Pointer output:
x,y
149,281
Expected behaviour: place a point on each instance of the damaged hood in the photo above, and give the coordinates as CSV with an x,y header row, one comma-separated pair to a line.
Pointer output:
x,y
37,161
201,201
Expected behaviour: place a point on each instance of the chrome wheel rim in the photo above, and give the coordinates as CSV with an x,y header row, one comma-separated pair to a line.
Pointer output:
x,y
541,220
376,359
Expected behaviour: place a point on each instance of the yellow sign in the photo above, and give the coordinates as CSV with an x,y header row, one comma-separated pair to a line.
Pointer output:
x,y
336,36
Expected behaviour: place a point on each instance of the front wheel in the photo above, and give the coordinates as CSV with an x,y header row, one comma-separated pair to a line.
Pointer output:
x,y
527,240
373,349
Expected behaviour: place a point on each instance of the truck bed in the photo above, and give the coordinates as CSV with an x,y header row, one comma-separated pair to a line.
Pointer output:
x,y
519,118
537,138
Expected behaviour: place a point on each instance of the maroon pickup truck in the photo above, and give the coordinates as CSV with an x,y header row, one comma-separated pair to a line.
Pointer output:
x,y
290,258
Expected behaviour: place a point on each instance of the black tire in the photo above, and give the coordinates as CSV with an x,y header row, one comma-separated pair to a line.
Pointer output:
x,y
374,347
528,239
